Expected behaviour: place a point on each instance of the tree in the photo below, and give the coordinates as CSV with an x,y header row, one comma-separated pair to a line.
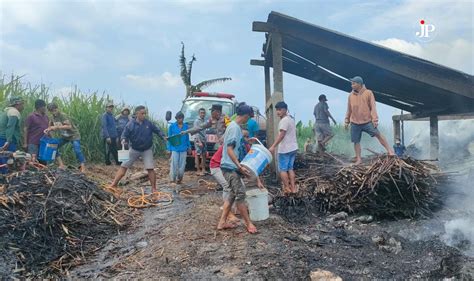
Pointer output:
x,y
186,70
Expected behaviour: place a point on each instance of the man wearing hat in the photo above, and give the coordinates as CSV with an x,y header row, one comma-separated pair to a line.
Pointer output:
x,y
287,147
362,116
322,128
10,133
109,134
178,149
121,121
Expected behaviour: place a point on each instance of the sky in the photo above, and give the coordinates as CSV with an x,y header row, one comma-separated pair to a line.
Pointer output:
x,y
130,49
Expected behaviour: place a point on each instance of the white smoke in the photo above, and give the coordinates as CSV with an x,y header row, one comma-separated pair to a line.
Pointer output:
x,y
460,233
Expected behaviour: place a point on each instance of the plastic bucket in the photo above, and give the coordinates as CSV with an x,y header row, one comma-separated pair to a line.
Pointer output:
x,y
257,200
123,155
48,149
175,140
257,158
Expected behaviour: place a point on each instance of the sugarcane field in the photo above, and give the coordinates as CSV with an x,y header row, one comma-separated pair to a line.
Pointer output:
x,y
335,141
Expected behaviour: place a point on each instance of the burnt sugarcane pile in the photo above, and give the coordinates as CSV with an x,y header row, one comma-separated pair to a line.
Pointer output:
x,y
51,221
388,187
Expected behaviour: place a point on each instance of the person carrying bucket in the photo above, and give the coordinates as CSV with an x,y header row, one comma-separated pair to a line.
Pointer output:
x,y
139,132
233,151
287,147
68,133
10,133
178,145
35,124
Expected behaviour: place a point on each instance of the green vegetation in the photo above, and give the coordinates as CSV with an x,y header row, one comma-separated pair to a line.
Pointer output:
x,y
84,109
341,142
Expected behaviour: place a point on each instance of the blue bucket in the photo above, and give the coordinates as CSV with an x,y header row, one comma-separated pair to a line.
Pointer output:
x,y
48,149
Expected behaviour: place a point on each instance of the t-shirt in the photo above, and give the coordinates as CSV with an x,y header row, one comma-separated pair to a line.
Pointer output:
x,y
69,134
216,159
36,123
232,137
289,143
201,135
252,127
320,112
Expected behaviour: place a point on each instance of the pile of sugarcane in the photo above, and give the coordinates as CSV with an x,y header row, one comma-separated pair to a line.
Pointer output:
x,y
50,221
387,186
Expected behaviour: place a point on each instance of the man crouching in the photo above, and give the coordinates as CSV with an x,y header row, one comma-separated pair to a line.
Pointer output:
x,y
234,151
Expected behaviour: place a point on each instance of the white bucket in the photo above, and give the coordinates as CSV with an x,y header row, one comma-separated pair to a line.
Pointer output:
x,y
123,155
257,200
257,158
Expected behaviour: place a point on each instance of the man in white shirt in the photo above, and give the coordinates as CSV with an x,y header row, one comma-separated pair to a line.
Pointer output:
x,y
287,147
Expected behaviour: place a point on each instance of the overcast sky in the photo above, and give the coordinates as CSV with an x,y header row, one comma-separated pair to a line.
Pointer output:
x,y
130,49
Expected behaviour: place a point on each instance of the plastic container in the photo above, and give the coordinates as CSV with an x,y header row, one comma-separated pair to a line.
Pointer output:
x,y
123,155
48,149
257,158
175,140
257,200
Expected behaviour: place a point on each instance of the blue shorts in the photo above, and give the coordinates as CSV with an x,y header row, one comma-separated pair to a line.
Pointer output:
x,y
286,161
357,129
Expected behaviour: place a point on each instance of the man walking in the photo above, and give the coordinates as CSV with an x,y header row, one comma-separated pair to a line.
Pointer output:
x,y
233,152
10,133
109,134
68,132
362,116
200,143
35,125
287,147
322,128
139,133
178,152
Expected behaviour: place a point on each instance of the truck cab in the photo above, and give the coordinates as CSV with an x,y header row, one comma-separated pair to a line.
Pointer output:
x,y
190,109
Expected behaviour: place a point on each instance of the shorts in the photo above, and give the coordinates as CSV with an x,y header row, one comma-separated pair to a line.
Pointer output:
x,y
33,148
200,150
286,161
322,130
235,190
357,129
146,155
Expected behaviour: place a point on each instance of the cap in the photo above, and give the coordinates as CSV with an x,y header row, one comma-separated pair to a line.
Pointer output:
x,y
125,108
244,109
357,79
281,104
323,98
216,107
109,104
16,100
179,115
52,106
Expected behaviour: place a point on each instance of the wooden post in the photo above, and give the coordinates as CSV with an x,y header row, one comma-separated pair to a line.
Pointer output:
x,y
434,138
277,95
396,130
268,86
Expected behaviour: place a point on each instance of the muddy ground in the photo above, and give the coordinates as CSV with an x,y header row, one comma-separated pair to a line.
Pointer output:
x,y
180,241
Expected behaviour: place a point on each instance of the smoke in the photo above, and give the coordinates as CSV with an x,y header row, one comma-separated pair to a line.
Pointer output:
x,y
459,233
455,138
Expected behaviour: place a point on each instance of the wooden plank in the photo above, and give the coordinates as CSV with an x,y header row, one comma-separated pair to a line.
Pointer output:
x,y
257,62
260,26
434,139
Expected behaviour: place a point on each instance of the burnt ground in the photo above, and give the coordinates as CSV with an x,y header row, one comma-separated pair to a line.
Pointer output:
x,y
180,241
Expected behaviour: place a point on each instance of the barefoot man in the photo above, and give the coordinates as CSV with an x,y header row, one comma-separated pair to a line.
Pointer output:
x,y
287,147
362,116
233,151
139,132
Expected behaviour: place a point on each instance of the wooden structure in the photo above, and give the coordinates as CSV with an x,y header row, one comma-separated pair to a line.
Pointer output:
x,y
421,87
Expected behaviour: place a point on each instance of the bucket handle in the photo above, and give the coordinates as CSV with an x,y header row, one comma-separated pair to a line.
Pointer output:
x,y
256,140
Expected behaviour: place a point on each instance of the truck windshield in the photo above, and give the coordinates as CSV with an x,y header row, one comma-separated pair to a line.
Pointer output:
x,y
191,108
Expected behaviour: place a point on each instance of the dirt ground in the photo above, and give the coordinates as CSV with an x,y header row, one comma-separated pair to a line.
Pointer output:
x,y
181,241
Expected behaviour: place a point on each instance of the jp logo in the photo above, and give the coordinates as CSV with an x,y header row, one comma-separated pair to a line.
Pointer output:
x,y
426,32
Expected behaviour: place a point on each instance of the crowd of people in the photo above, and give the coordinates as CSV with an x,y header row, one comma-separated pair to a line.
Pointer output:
x,y
234,137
